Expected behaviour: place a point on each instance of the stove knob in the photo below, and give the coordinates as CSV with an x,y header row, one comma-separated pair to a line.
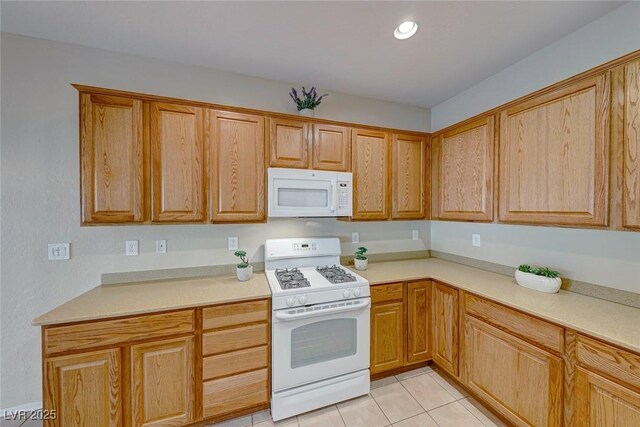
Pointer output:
x,y
302,299
290,301
346,293
356,292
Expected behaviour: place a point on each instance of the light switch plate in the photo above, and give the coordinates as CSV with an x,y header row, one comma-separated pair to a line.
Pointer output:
x,y
161,246
58,251
355,237
131,248
415,234
475,240
232,243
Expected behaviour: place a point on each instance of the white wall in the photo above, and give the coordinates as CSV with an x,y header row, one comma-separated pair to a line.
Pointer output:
x,y
40,200
604,257
607,38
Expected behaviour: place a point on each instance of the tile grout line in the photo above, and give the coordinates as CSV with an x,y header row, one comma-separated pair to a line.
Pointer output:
x,y
380,407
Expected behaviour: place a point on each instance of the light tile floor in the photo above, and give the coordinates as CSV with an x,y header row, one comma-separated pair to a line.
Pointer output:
x,y
419,398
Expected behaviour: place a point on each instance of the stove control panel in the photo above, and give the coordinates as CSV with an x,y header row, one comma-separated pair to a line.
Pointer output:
x,y
305,247
312,298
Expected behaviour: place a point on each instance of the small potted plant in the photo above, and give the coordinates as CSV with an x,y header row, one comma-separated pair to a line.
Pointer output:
x,y
361,261
244,270
541,279
309,101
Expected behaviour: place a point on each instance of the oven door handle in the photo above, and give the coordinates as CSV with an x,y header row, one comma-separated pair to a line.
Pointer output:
x,y
283,315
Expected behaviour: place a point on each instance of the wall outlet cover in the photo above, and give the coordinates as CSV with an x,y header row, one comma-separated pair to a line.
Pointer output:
x,y
232,243
131,248
161,246
415,234
58,251
475,240
355,237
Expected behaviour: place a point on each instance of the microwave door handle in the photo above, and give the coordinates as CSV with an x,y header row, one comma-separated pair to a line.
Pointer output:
x,y
360,305
333,196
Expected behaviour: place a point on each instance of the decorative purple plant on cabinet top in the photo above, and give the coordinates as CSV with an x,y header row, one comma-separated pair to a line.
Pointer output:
x,y
310,100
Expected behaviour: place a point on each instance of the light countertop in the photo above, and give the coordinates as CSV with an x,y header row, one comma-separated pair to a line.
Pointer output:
x,y
146,297
615,323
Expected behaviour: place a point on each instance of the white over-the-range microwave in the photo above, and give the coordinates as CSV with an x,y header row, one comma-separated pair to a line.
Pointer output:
x,y
309,193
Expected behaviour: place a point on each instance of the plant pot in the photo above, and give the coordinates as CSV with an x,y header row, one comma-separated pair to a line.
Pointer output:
x,y
538,283
361,264
307,112
244,274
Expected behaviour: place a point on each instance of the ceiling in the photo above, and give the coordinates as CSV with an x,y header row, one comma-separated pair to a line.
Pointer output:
x,y
339,46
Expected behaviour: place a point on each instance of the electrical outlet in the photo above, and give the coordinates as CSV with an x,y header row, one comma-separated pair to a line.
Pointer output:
x,y
355,237
131,248
232,243
58,251
475,240
161,246
415,234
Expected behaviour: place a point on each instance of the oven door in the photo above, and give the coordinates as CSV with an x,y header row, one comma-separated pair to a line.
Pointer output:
x,y
319,342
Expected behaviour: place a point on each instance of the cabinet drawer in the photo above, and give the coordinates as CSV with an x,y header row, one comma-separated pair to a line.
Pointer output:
x,y
617,363
235,362
235,314
383,293
527,327
235,393
117,331
234,339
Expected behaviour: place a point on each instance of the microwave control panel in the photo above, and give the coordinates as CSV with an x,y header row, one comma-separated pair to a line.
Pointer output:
x,y
343,195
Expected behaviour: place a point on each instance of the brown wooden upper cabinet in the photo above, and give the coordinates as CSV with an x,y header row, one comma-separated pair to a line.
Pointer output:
x,y
631,147
331,148
288,143
177,163
236,166
370,157
463,172
111,155
409,174
299,144
554,156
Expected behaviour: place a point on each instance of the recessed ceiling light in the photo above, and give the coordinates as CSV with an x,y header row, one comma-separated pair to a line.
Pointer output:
x,y
405,30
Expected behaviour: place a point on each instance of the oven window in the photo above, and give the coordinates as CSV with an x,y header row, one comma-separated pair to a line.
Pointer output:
x,y
303,197
323,341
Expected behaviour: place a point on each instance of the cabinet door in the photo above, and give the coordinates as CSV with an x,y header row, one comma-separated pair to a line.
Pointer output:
x,y
288,143
237,167
554,156
522,382
84,389
387,336
463,165
163,383
111,159
603,403
177,163
631,187
409,166
331,148
445,327
418,320
370,156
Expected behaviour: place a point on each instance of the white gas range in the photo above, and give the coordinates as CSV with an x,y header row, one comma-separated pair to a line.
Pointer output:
x,y
320,321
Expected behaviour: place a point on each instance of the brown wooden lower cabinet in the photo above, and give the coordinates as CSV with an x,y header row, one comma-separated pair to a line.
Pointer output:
x,y
445,327
601,402
163,382
418,321
157,371
387,336
519,380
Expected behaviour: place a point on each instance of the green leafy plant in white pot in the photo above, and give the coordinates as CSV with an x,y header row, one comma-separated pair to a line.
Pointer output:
x,y
307,103
244,270
361,261
541,279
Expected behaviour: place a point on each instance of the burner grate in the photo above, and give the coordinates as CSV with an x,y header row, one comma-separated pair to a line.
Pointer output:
x,y
335,274
291,279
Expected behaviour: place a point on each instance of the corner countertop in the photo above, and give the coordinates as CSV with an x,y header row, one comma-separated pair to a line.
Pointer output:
x,y
615,323
146,297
